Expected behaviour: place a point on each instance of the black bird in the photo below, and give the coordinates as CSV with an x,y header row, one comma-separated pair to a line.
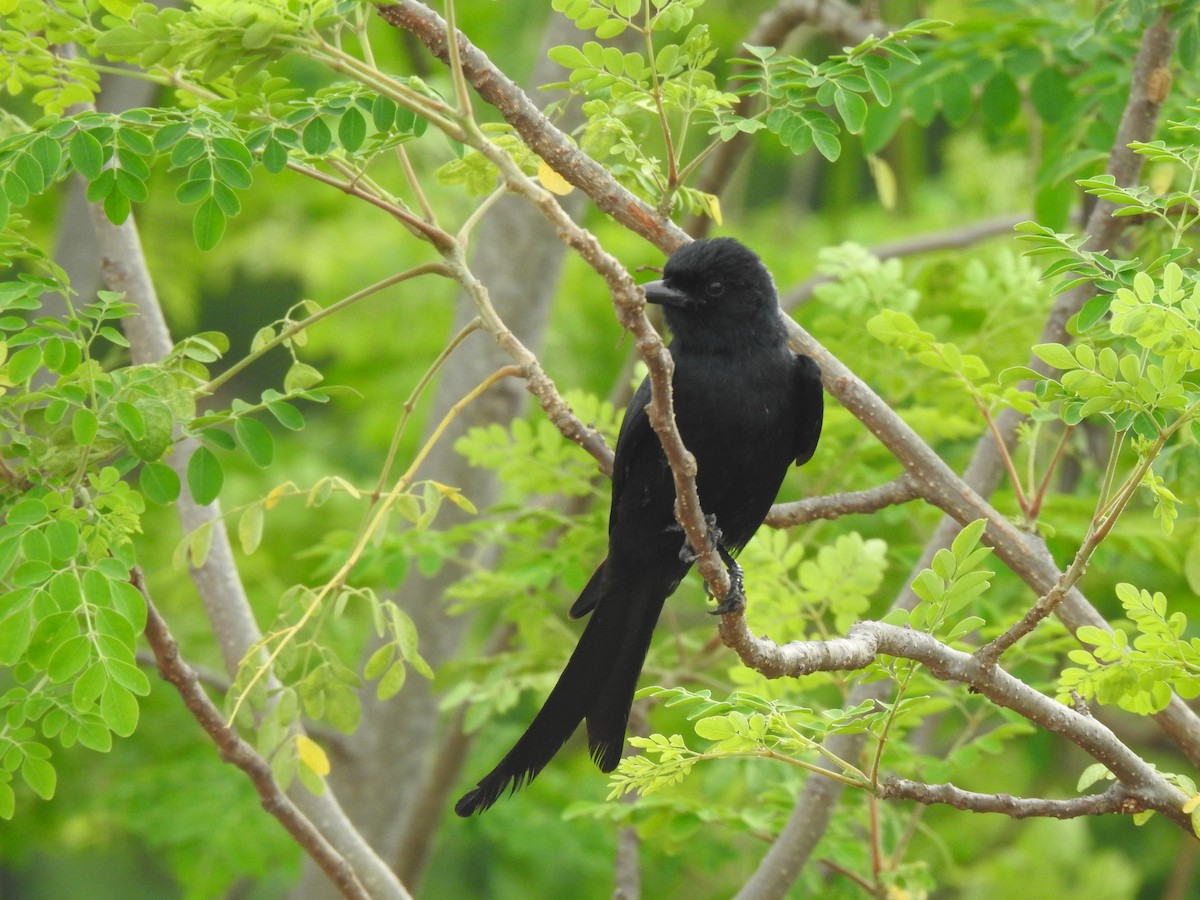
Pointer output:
x,y
746,407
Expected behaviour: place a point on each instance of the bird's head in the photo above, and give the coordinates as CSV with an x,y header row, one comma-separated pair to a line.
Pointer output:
x,y
714,287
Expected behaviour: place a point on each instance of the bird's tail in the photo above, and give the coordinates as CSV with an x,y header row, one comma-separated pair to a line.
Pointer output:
x,y
608,715
598,683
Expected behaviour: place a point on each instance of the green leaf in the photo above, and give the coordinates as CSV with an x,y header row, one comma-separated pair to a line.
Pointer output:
x,y
853,110
169,135
316,137
392,681
116,206
63,537
379,661
118,709
158,424
16,190
274,156
129,676
218,437
259,33
256,440
286,415
300,377
1056,355
233,173
1050,93
967,539
1001,100
23,363
827,144
15,631
8,801
129,603
27,511
383,113
39,775
159,483
124,42
1093,773
208,225
194,191
131,420
35,546
954,91
352,130
70,656
88,687
204,476
29,170
136,141
84,425
590,19
187,151
86,154
1094,311
760,52
610,29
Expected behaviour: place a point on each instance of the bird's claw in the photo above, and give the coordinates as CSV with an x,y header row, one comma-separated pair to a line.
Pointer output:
x,y
712,537
735,598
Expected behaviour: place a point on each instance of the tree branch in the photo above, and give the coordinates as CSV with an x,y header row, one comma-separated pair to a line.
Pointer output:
x,y
218,582
237,752
537,131
900,489
867,641
1114,800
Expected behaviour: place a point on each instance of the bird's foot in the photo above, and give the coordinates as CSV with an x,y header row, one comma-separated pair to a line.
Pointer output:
x,y
712,537
735,599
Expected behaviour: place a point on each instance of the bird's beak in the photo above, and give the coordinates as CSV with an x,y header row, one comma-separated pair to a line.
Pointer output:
x,y
658,292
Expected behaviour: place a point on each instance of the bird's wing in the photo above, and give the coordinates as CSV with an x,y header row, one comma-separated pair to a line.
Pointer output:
x,y
635,439
632,442
810,406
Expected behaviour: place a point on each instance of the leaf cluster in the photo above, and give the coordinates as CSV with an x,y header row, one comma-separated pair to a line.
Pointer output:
x,y
1138,675
953,582
797,92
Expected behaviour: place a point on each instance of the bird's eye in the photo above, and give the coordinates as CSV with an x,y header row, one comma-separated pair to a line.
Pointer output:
x,y
715,289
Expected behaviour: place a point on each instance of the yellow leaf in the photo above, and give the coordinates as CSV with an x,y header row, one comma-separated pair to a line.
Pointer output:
x,y
712,206
1160,178
277,493
552,181
885,181
312,755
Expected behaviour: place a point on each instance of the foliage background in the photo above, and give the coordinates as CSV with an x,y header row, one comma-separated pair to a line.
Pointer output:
x,y
160,815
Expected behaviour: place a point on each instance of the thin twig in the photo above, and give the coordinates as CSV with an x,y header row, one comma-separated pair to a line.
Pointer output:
x,y
296,328
1114,800
901,489
410,404
956,238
